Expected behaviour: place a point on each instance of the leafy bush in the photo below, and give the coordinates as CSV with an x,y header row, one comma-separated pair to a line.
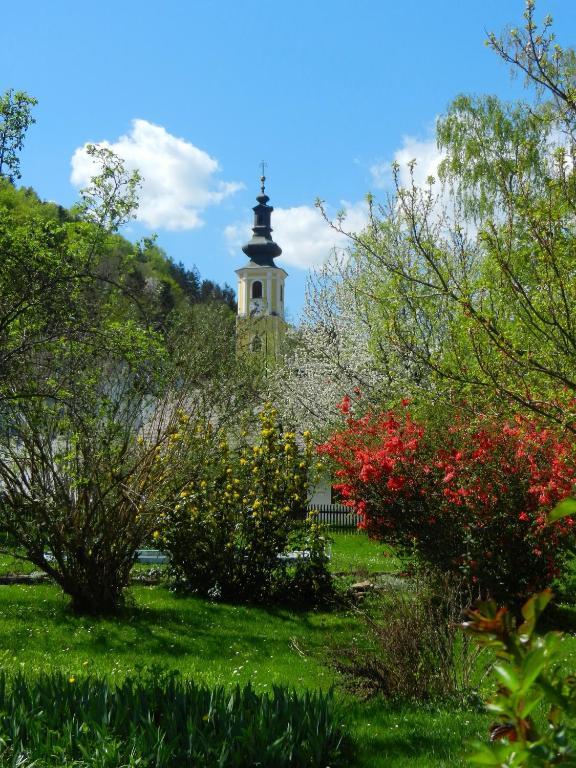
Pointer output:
x,y
471,499
236,508
529,677
161,722
305,578
74,486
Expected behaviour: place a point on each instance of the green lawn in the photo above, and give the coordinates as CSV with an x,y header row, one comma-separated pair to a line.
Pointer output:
x,y
219,643
354,553
212,642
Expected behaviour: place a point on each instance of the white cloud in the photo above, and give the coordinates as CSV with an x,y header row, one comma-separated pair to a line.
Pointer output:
x,y
424,152
178,178
305,238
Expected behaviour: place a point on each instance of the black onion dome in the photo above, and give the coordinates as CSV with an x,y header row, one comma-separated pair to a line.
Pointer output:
x,y
261,249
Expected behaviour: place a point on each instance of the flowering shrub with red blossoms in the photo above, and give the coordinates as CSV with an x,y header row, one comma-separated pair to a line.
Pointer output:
x,y
472,498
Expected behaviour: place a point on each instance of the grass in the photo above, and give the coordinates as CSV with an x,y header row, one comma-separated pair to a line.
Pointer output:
x,y
215,643
412,736
15,566
355,554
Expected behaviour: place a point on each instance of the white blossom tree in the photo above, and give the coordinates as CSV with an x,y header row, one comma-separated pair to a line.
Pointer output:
x,y
330,353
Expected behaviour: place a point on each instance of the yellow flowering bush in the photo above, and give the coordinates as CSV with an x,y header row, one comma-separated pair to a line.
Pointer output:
x,y
227,544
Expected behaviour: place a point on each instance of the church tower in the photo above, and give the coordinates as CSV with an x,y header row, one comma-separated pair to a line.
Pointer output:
x,y
260,323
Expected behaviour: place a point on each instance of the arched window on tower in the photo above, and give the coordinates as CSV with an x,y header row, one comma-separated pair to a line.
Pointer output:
x,y
256,289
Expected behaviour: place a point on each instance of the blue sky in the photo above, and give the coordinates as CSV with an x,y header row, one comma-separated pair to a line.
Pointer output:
x,y
197,93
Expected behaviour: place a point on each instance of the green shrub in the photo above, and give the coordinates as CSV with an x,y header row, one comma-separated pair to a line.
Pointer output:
x,y
235,509
305,579
75,483
161,721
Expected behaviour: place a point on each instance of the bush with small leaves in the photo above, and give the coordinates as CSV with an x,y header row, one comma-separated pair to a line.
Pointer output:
x,y
235,507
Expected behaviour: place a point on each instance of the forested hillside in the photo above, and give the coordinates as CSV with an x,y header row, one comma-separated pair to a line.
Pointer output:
x,y
145,271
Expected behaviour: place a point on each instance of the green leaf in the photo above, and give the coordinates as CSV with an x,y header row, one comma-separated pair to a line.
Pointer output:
x,y
531,610
508,676
534,663
494,755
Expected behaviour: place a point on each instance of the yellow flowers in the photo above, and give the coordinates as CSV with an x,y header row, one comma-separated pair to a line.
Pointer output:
x,y
306,434
244,491
71,679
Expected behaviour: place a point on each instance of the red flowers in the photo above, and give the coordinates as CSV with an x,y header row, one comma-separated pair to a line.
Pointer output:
x,y
460,492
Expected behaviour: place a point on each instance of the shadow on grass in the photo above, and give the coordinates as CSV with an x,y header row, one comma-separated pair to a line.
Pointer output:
x,y
396,734
156,624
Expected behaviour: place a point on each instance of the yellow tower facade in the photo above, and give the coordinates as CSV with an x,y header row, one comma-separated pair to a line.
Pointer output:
x,y
260,323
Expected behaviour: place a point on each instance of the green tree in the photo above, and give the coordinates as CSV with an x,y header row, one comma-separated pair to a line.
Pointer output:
x,y
471,286
15,119
62,284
